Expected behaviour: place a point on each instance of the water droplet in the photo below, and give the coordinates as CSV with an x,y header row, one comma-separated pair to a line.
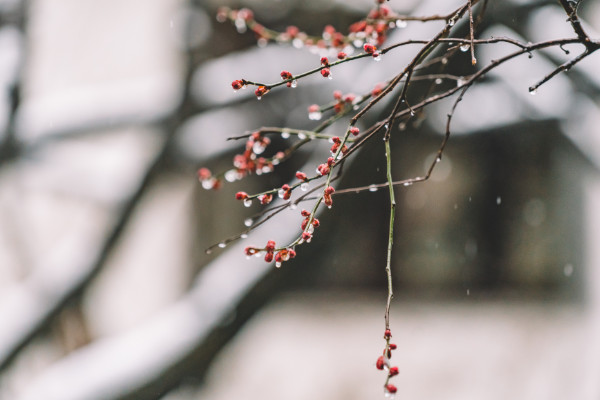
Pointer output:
x,y
412,113
568,270
222,245
304,186
400,23
285,135
244,236
258,97
408,183
297,43
208,251
460,81
438,159
262,42
278,264
208,183
386,126
301,136
498,200
280,193
293,206
294,83
465,47
240,25
377,57
248,203
330,77
315,115
329,207
532,91
231,175
438,81
373,188
444,60
258,148
451,22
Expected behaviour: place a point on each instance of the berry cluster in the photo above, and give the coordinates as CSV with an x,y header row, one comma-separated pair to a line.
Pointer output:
x,y
271,253
383,363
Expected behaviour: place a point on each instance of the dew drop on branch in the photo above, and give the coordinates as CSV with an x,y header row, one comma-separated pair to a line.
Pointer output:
x,y
465,48
400,23
294,83
438,81
258,148
498,200
301,136
222,245
285,135
568,270
278,264
240,25
314,115
248,221
373,188
244,236
231,175
304,186
247,203
408,183
532,91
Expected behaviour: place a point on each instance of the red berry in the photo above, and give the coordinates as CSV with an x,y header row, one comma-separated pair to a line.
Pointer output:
x,y
286,75
204,174
306,235
292,31
337,95
270,246
313,108
327,200
387,334
393,346
261,91
391,388
369,48
354,130
394,371
237,84
269,257
316,223
241,195
300,176
380,362
325,72
305,213
324,61
341,55
329,190
250,251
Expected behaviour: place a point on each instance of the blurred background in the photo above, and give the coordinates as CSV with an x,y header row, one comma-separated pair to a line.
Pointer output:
x,y
109,107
